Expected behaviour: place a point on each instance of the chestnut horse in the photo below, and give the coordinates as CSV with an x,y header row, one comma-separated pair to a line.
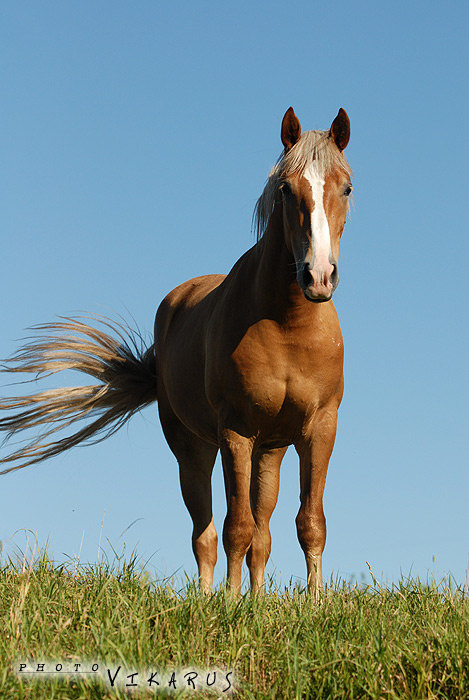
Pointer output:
x,y
248,364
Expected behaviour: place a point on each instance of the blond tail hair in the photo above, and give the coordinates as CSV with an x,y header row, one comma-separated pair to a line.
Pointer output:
x,y
121,363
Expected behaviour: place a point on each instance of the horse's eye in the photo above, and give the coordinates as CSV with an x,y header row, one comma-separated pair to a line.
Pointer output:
x,y
285,188
348,190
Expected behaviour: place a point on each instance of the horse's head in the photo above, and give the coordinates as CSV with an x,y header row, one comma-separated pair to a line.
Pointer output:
x,y
313,186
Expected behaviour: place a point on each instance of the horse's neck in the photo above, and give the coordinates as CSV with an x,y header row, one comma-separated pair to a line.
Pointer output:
x,y
276,287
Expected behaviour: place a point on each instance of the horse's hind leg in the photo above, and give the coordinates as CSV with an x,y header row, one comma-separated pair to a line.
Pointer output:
x,y
195,477
196,459
264,493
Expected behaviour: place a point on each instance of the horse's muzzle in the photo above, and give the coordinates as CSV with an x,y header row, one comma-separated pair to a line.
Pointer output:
x,y
319,283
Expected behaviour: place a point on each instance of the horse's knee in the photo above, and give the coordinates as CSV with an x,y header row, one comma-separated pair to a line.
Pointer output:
x,y
311,530
238,531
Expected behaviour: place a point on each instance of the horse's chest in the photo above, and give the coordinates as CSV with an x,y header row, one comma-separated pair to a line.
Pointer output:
x,y
277,373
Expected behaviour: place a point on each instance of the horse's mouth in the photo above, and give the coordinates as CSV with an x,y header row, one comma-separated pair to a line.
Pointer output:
x,y
316,299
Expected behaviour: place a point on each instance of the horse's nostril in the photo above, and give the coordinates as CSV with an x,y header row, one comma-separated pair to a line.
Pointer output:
x,y
334,278
307,275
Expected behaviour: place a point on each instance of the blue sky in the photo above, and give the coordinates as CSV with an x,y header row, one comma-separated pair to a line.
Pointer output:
x,y
136,138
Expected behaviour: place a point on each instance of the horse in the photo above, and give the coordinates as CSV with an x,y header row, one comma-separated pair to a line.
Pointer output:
x,y
246,363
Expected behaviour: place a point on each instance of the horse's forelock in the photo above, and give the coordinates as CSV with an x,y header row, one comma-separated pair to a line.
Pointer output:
x,y
313,145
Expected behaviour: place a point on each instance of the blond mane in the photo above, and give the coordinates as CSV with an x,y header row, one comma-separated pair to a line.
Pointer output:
x,y
313,145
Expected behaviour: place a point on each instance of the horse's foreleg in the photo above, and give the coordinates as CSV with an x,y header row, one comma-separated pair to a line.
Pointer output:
x,y
264,493
314,450
236,452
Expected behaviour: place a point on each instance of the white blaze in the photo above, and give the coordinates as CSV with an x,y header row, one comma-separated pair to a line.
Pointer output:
x,y
321,236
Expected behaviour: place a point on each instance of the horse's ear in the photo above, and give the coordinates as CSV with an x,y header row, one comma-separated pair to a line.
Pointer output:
x,y
291,129
340,129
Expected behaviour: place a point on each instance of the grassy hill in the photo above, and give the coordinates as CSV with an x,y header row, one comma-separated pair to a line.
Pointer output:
x,y
129,633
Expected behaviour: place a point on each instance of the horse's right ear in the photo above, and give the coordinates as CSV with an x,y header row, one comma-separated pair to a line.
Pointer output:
x,y
291,129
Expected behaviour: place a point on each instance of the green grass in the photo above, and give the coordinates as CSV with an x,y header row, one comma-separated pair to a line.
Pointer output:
x,y
407,641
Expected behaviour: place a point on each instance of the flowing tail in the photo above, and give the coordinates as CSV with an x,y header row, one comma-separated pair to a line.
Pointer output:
x,y
124,367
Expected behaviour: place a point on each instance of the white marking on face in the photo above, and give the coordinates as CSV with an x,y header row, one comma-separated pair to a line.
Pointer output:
x,y
321,237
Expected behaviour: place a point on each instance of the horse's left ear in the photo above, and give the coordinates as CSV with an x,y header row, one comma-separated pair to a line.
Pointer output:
x,y
340,129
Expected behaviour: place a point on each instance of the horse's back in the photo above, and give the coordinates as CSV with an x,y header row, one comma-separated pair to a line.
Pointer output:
x,y
190,296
